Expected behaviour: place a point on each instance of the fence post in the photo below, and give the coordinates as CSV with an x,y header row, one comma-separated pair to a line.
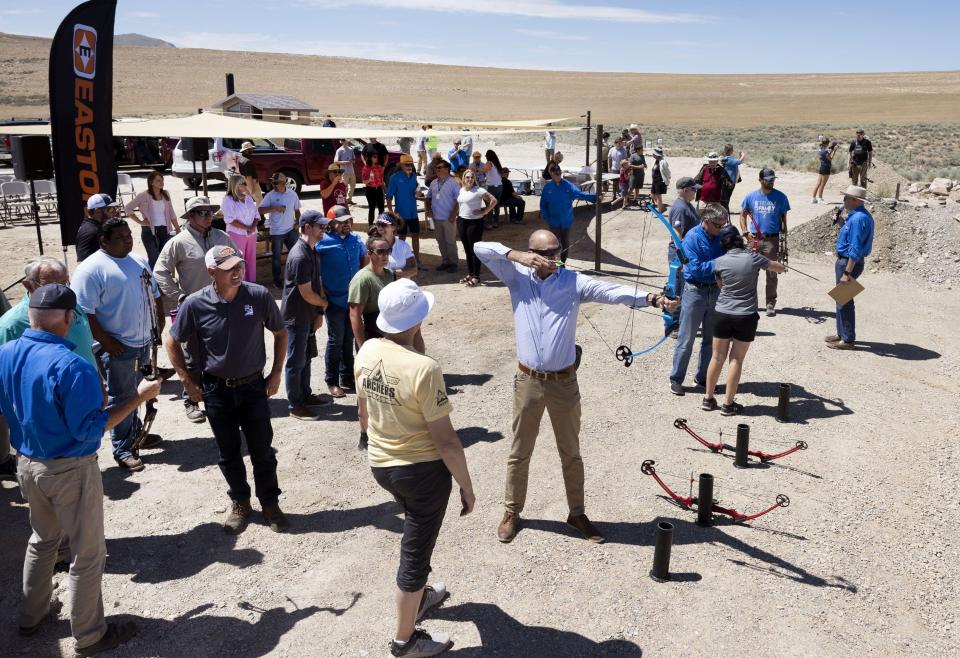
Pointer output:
x,y
599,191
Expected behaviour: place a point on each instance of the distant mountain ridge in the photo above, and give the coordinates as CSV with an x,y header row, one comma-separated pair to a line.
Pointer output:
x,y
134,39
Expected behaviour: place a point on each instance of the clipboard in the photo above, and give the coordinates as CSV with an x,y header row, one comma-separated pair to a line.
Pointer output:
x,y
844,293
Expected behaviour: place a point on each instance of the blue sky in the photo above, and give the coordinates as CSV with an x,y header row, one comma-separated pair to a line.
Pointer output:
x,y
814,36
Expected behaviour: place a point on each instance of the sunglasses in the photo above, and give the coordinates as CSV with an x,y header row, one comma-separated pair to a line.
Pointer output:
x,y
380,252
203,213
717,225
546,253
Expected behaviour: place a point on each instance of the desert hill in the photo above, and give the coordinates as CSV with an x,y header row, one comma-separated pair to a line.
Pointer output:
x,y
134,39
153,81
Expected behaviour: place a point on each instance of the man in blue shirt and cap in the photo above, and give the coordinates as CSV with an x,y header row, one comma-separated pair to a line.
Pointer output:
x,y
854,244
54,404
556,206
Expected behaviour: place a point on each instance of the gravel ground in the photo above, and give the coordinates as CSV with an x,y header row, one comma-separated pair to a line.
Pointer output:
x,y
861,563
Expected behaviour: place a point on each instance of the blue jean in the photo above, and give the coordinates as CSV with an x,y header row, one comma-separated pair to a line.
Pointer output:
x,y
153,240
696,312
276,246
339,356
299,357
846,314
123,375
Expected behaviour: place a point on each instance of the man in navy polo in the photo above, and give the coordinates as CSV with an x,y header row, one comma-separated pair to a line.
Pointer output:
x,y
701,246
342,254
53,401
403,187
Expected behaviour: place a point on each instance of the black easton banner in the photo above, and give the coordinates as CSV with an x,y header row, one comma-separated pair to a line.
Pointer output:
x,y
81,110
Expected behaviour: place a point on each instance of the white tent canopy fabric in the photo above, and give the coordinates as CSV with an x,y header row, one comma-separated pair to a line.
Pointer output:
x,y
217,125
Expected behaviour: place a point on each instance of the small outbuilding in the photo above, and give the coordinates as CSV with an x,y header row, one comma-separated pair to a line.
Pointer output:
x,y
271,107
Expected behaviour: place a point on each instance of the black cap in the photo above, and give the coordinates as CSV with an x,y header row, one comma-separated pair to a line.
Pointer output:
x,y
55,296
687,182
767,174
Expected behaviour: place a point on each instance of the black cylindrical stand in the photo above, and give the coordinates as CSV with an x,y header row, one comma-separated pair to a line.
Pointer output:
x,y
705,500
783,404
661,552
743,445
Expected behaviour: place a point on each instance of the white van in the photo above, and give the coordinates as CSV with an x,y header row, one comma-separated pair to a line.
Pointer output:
x,y
221,152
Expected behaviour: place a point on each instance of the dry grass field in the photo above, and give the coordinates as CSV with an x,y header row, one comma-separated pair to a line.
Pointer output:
x,y
190,78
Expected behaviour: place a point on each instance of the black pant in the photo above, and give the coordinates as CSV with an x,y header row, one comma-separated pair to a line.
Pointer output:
x,y
231,410
374,200
515,207
563,235
470,232
725,195
423,491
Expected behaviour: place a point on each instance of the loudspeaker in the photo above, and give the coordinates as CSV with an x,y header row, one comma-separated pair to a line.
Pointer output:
x,y
31,157
194,149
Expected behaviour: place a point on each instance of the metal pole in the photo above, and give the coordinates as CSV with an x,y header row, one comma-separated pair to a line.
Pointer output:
x,y
587,149
661,552
705,500
783,404
36,215
743,445
599,191
203,173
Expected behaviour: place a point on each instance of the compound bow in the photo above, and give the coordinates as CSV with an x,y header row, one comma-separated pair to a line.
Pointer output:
x,y
150,371
692,503
681,424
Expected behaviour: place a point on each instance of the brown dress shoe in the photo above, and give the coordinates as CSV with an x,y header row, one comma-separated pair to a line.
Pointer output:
x,y
832,338
508,527
303,413
583,525
275,518
237,517
840,345
314,400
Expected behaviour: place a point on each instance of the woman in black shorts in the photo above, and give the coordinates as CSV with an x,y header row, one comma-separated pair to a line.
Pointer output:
x,y
827,151
735,317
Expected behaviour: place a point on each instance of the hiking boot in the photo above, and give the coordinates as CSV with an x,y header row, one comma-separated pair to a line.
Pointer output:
x,y
117,633
709,404
832,339
314,400
840,345
433,595
8,469
193,412
732,409
583,525
131,463
237,517
275,518
421,645
151,441
301,412
508,527
677,388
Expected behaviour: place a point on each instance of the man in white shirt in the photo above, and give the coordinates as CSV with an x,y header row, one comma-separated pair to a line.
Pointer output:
x,y
344,157
283,206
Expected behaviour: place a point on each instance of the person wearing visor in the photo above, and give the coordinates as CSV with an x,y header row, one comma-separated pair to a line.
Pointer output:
x,y
556,206
283,206
100,207
228,318
546,300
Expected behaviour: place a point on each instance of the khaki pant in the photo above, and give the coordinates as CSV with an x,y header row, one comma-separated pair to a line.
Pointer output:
x,y
858,174
350,180
561,399
446,234
253,187
770,247
66,498
421,161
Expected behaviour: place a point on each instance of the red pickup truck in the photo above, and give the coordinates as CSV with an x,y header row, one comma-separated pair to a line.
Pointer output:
x,y
305,161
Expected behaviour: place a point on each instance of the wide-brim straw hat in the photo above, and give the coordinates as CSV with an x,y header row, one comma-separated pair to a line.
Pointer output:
x,y
856,192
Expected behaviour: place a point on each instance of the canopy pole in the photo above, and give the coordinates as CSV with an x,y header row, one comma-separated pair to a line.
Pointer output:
x,y
587,149
599,190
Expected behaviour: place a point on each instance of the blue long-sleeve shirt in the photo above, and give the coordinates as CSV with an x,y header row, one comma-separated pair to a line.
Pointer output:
x,y
701,250
855,240
556,202
545,310
51,397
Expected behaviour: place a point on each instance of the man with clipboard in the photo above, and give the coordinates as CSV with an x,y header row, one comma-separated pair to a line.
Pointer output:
x,y
854,244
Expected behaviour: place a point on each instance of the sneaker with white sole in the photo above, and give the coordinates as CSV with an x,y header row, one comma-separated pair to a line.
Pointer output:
x,y
421,645
433,595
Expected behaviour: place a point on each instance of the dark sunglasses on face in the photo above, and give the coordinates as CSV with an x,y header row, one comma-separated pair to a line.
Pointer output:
x,y
717,225
203,213
381,252
547,253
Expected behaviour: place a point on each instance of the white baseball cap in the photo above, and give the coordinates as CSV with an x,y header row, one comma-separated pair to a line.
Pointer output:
x,y
101,201
402,305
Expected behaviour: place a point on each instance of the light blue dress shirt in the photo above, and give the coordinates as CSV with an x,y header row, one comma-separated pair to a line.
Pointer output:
x,y
545,310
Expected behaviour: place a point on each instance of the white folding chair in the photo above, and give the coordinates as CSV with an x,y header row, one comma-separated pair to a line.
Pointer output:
x,y
46,196
124,186
16,200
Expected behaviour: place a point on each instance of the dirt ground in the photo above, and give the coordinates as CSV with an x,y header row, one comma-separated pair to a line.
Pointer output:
x,y
860,563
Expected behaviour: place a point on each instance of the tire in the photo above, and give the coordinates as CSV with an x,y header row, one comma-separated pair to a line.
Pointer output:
x,y
294,180
194,182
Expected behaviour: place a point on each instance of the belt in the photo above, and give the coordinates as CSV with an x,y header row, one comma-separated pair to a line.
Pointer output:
x,y
560,374
700,284
234,382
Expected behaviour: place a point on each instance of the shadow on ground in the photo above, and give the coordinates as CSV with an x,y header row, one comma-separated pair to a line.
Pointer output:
x,y
804,405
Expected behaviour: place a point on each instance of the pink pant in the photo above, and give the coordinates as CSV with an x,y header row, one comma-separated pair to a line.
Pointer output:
x,y
247,244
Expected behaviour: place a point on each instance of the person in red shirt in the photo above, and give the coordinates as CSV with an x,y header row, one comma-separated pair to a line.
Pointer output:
x,y
333,191
713,180
373,187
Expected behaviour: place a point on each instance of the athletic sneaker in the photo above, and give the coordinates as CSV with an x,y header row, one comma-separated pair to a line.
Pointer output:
x,y
731,409
709,404
771,311
421,645
676,389
433,595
